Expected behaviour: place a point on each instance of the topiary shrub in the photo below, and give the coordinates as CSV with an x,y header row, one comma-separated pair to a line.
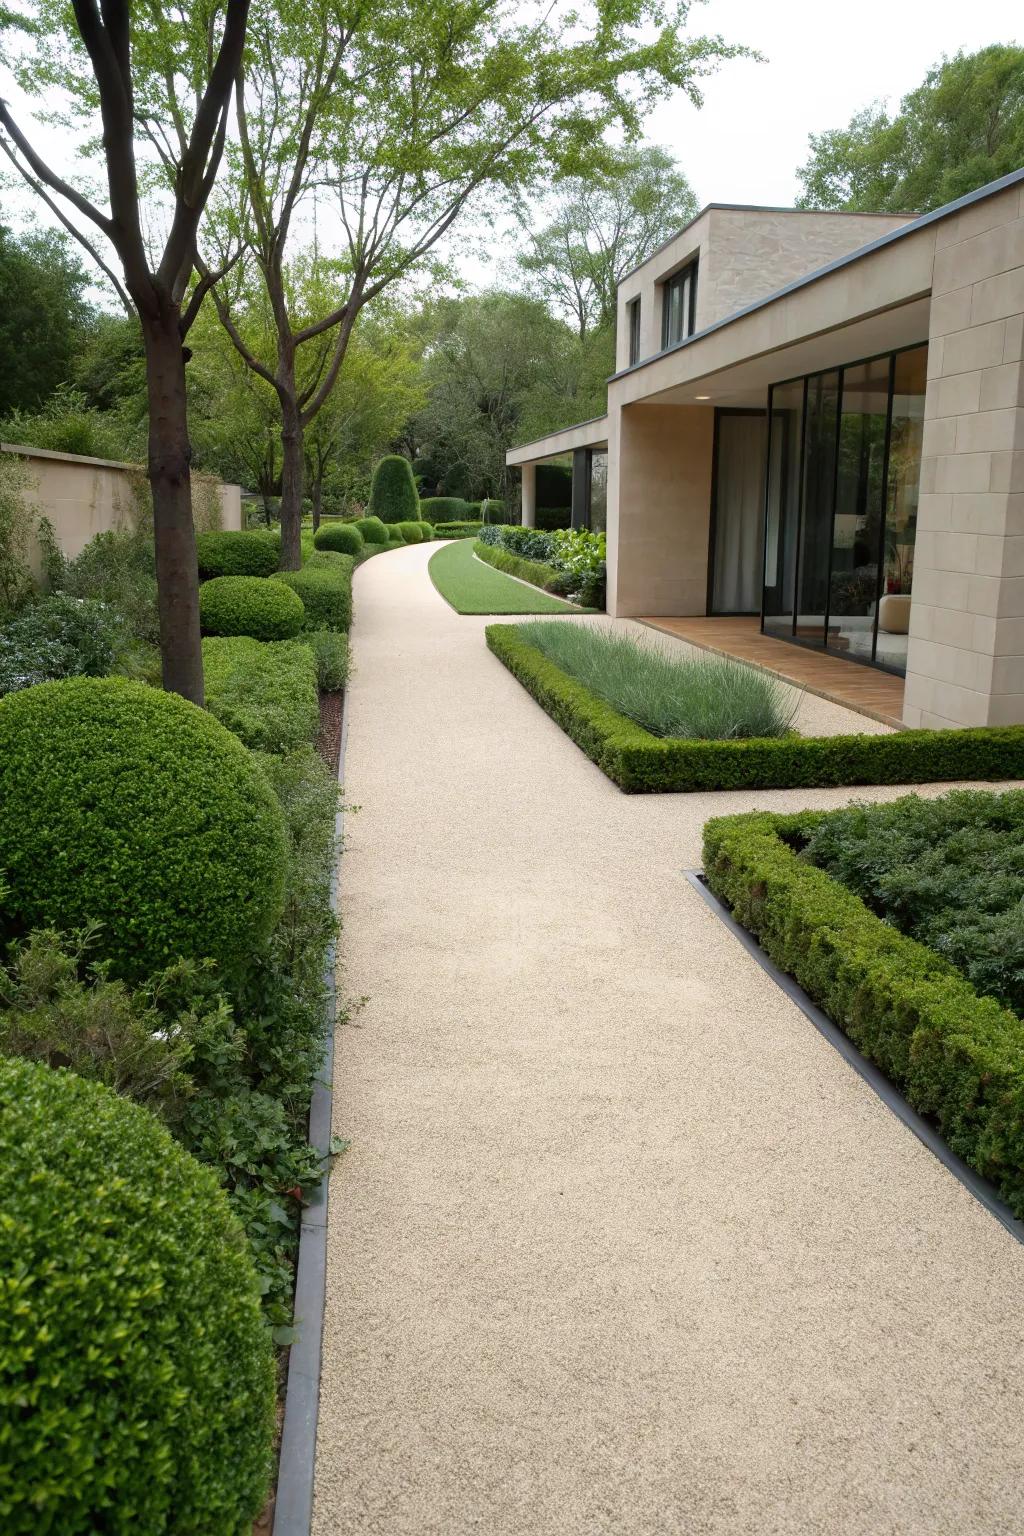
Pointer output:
x,y
444,509
260,606
325,586
137,1387
426,532
343,538
412,533
372,530
236,554
264,692
393,495
130,807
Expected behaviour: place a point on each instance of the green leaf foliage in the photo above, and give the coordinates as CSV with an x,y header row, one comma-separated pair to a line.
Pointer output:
x,y
330,654
393,494
131,808
137,1385
412,533
372,530
961,128
533,571
958,1057
265,693
260,606
343,538
443,509
640,763
325,586
230,553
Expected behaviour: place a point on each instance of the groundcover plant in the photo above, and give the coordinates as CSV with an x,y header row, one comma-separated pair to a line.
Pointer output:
x,y
707,698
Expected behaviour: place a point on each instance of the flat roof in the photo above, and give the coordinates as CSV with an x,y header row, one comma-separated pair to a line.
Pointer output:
x,y
989,190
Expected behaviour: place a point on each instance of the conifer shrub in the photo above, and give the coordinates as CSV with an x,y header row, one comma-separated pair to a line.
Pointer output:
x,y
393,494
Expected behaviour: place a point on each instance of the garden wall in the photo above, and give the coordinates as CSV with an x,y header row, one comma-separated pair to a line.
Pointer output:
x,y
83,497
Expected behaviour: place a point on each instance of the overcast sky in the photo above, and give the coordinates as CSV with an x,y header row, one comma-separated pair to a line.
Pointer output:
x,y
823,63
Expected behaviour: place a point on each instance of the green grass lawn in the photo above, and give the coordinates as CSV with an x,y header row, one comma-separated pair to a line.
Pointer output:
x,y
472,587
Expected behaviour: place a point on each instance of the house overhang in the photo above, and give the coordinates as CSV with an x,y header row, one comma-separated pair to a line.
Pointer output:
x,y
585,434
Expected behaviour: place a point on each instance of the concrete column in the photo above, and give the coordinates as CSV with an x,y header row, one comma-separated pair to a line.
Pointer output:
x,y
580,488
965,663
659,508
529,495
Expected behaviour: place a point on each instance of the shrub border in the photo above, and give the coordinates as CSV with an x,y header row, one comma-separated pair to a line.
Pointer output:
x,y
640,763
293,1502
748,870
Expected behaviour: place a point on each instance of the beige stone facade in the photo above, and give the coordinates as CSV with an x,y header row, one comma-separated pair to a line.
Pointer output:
x,y
952,281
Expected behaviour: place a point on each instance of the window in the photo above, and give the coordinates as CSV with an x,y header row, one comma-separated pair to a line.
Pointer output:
x,y
633,308
679,306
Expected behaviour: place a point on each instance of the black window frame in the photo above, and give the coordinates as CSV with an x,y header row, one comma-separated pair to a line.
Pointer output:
x,y
633,316
683,274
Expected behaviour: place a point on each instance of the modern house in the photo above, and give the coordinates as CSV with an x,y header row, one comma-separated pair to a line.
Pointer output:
x,y
816,436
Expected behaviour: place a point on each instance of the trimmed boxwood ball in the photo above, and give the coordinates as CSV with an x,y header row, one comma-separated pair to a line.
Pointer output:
x,y
343,538
393,494
235,554
260,606
412,533
137,1387
325,587
372,530
426,532
132,808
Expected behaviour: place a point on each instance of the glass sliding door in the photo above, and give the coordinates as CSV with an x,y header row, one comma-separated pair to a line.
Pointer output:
x,y
857,523
782,505
816,510
598,522
737,512
901,494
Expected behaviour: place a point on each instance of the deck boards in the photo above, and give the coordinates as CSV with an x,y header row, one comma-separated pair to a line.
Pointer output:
x,y
866,689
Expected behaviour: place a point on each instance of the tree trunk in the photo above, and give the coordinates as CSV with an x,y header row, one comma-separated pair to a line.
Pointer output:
x,y
292,477
170,457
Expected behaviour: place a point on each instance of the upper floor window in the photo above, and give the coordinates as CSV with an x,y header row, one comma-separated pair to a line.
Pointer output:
x,y
679,306
634,331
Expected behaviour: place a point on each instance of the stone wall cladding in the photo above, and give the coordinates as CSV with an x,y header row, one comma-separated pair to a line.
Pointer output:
x,y
966,656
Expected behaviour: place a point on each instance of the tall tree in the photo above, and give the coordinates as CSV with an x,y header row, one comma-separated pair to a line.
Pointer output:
x,y
399,115
43,316
158,81
601,227
963,127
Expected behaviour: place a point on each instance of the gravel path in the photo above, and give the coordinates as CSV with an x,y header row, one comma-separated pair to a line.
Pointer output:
x,y
621,1247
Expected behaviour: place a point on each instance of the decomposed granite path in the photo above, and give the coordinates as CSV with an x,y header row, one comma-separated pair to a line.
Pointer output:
x,y
621,1246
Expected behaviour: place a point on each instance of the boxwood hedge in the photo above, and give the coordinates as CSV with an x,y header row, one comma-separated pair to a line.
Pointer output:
x,y
533,571
325,586
130,807
957,1057
426,532
266,694
343,538
412,533
260,606
457,530
235,554
443,509
372,530
642,764
136,1373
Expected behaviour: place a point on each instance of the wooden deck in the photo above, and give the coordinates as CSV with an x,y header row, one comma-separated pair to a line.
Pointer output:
x,y
865,689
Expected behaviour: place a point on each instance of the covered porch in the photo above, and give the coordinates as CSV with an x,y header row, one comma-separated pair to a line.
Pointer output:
x,y
586,445
866,689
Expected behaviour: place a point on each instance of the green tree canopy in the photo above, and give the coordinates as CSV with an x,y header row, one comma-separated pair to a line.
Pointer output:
x,y
962,128
43,315
601,227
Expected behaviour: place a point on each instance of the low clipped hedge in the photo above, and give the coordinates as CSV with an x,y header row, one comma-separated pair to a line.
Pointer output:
x,y
426,532
343,538
372,530
137,1378
129,807
956,1056
412,533
329,649
260,606
235,554
457,530
533,571
640,763
444,509
324,585
266,694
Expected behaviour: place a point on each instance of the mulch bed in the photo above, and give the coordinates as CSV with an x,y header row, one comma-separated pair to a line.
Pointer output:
x,y
328,742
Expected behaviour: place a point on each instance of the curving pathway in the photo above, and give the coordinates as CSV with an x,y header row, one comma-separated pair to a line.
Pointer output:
x,y
621,1247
